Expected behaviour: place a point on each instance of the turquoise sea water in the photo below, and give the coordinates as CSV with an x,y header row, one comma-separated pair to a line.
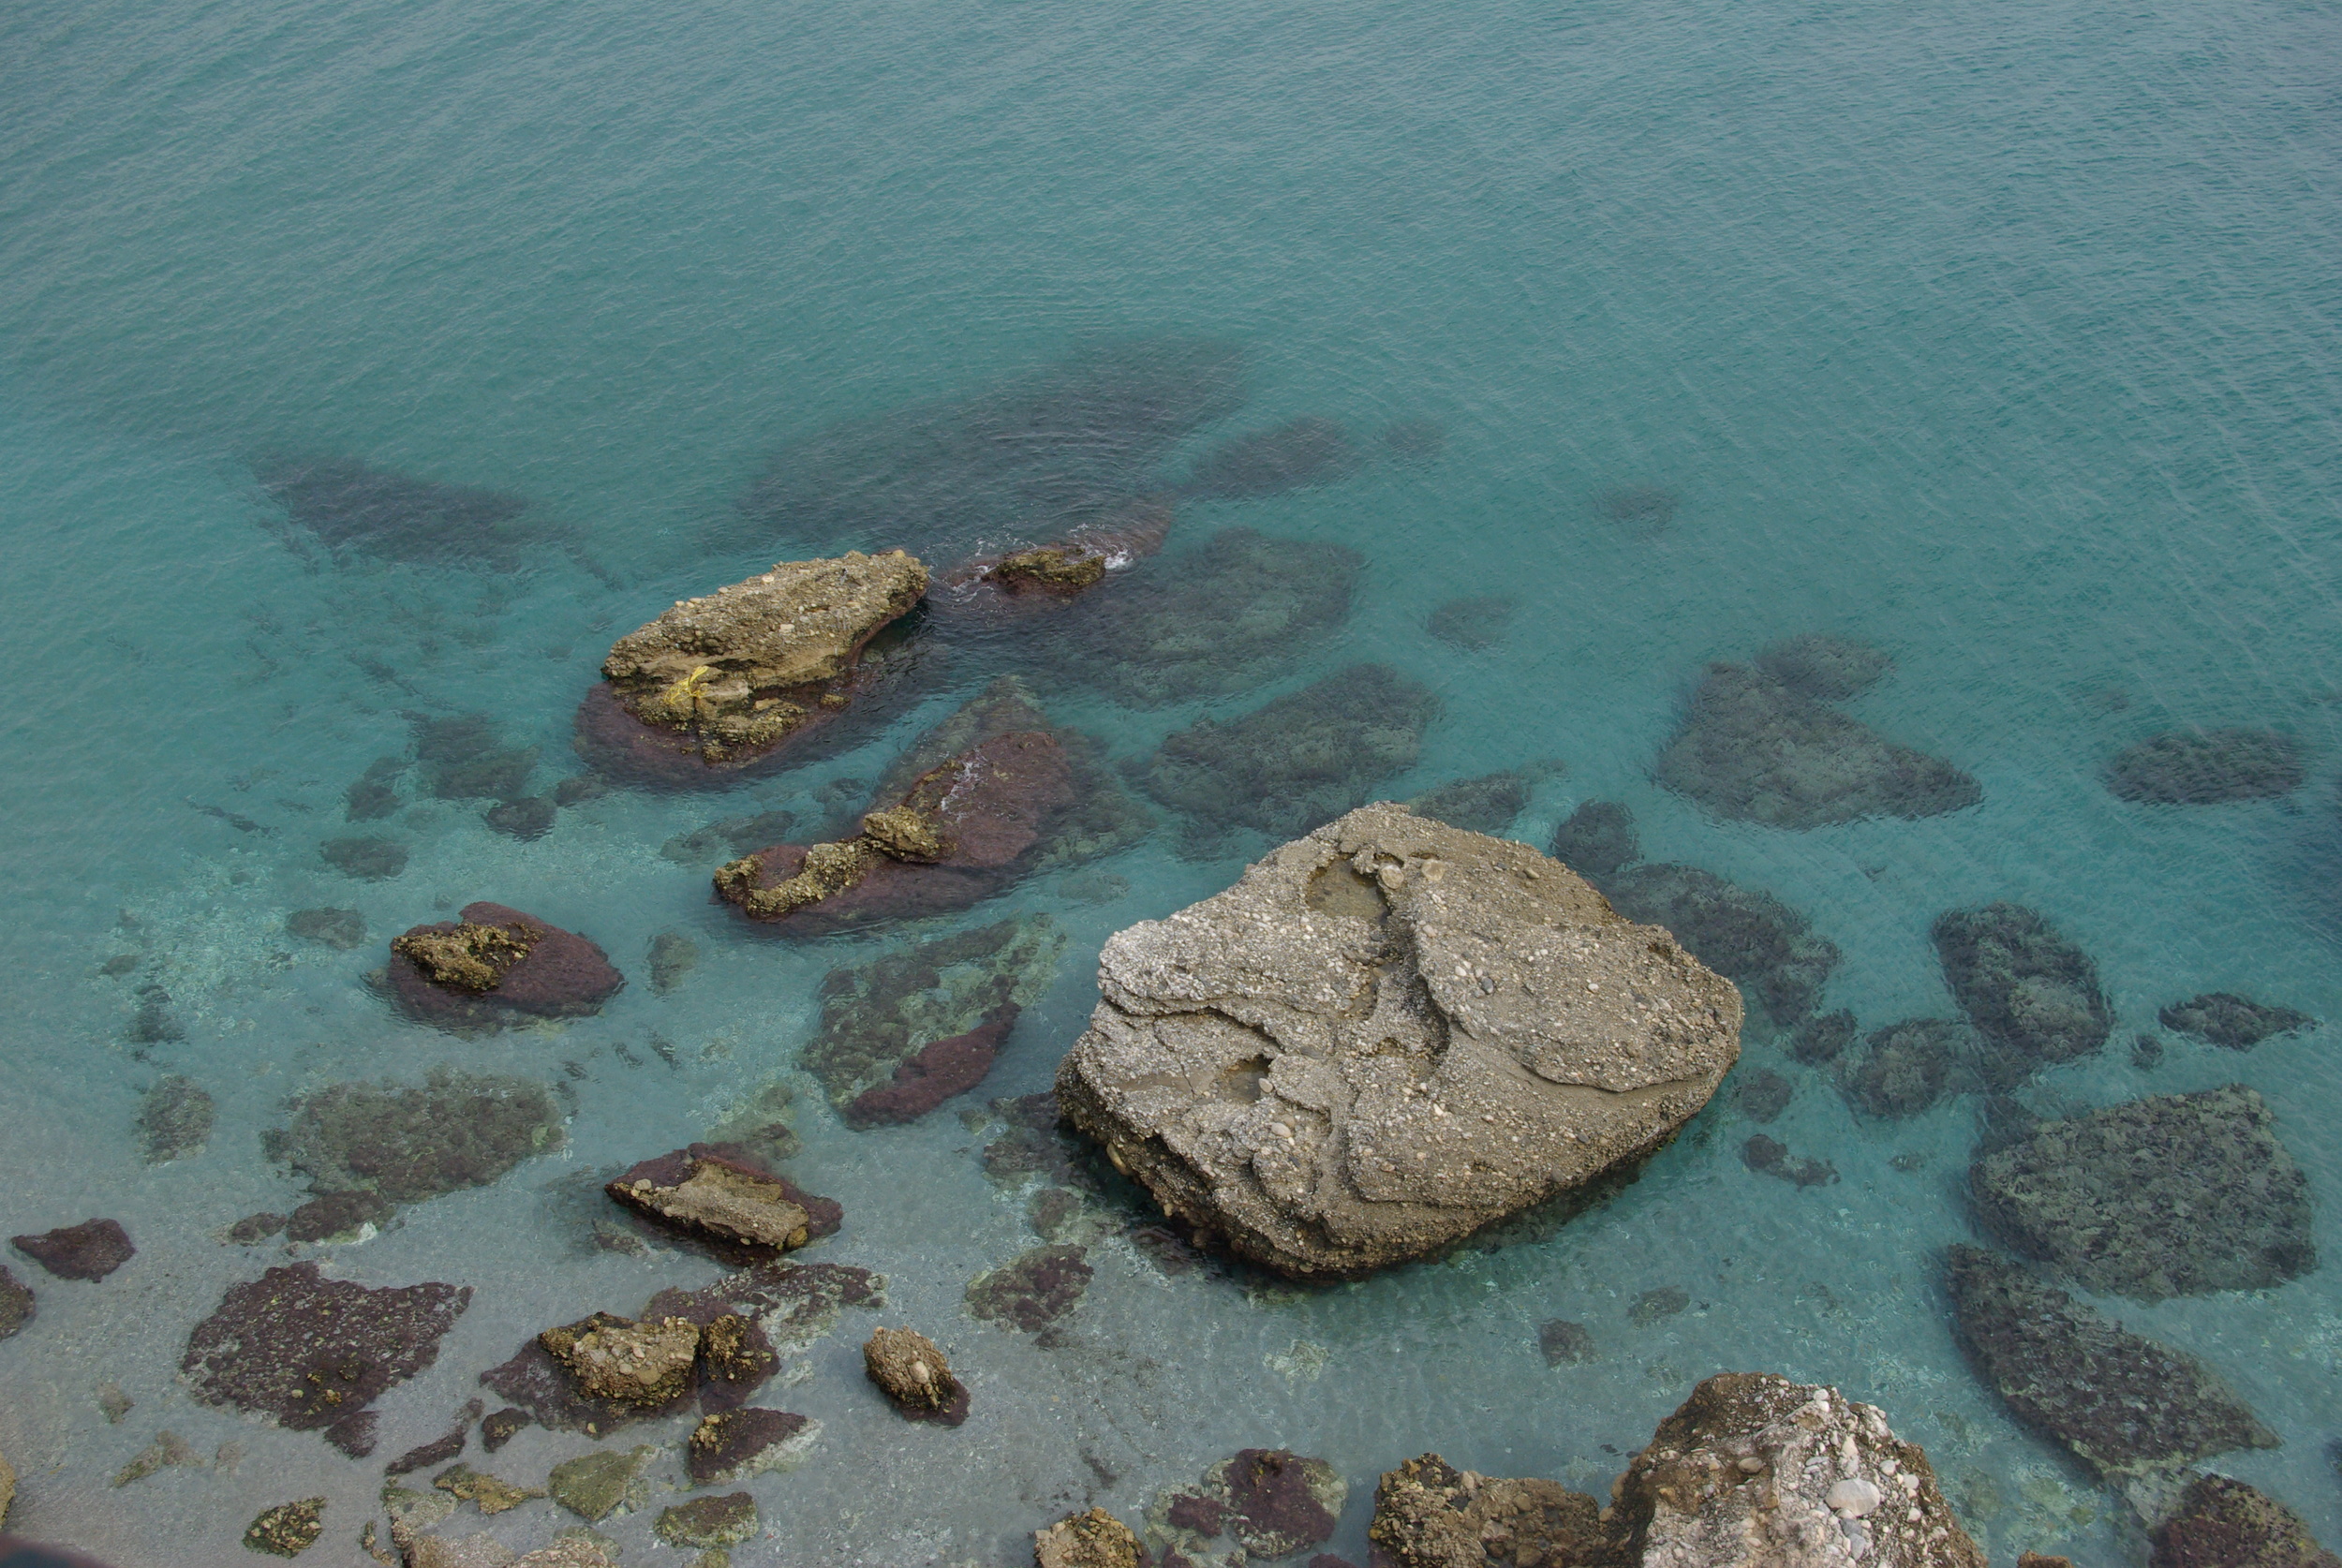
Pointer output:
x,y
2003,338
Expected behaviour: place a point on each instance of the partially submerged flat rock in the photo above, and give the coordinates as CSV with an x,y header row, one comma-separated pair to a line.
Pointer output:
x,y
309,1351
721,681
644,1363
732,1445
1755,1470
910,1371
1095,1539
2124,1404
2207,768
701,1192
1270,1502
1035,579
287,1529
1384,1036
1300,760
2218,1522
2229,1020
490,1494
89,1251
1033,1290
2170,1196
1755,749
966,830
1429,1515
605,1482
2032,994
897,1033
1742,933
708,1521
496,966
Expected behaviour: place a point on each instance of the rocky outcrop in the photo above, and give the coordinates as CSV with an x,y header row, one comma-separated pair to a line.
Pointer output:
x,y
310,1351
89,1251
719,683
701,1192
2124,1404
495,967
2170,1196
1092,1540
2231,1021
1742,933
910,1371
1045,577
1758,747
1429,1515
2032,994
966,830
2223,1523
914,1026
1384,1036
2210,768
1301,760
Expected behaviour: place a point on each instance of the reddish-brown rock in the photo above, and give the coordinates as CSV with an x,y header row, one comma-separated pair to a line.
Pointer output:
x,y
717,1194
89,1251
935,1073
1020,583
495,967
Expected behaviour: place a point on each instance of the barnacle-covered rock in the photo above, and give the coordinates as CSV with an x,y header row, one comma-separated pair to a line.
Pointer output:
x,y
1092,1540
909,1370
1429,1515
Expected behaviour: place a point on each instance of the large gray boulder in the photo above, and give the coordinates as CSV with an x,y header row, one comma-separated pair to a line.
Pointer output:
x,y
1385,1035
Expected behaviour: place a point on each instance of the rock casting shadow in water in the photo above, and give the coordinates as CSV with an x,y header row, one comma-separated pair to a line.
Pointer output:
x,y
1037,457
347,505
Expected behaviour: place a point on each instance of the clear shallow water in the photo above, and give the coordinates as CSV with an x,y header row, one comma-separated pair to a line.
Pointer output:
x,y
2002,339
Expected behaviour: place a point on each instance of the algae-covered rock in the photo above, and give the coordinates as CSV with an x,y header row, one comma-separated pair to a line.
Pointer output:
x,y
1429,1515
883,1017
339,929
1755,1470
1744,934
287,1529
1384,1036
646,1363
700,1191
490,1494
708,1521
1473,623
1267,1501
412,1142
1757,749
89,1251
2032,994
1095,1539
1298,761
175,1119
309,1351
964,832
16,1304
598,1485
8,1488
2124,1404
2234,1022
732,1445
2170,1196
495,967
2222,1523
1218,619
1486,803
1598,839
909,1370
1906,1068
2207,768
722,681
1033,1290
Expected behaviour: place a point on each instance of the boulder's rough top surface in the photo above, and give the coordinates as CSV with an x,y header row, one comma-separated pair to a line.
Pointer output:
x,y
700,1191
2223,1523
2171,1195
722,681
910,1368
1385,1035
1429,1515
2124,1404
1093,1539
495,966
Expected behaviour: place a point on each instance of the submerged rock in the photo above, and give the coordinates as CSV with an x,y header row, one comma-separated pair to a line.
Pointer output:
x,y
598,1485
2033,995
1598,840
1907,1067
718,683
374,794
1290,456
2232,1021
287,1529
964,832
1486,803
672,956
412,1144
16,1304
495,967
1645,508
347,504
1429,1515
727,837
793,1303
883,1020
1564,1343
89,1251
2222,1523
2170,1196
2124,1404
338,1216
1270,1502
340,929
1384,1036
707,1193
1743,934
465,758
1755,749
369,859
1770,1157
310,1350
1823,1038
1045,577
490,1494
1033,1290
1092,1540
1301,760
910,1371
526,817
735,1444
1755,1469
1219,619
1473,625
1762,1095
1826,668
707,1522
2188,768
175,1119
